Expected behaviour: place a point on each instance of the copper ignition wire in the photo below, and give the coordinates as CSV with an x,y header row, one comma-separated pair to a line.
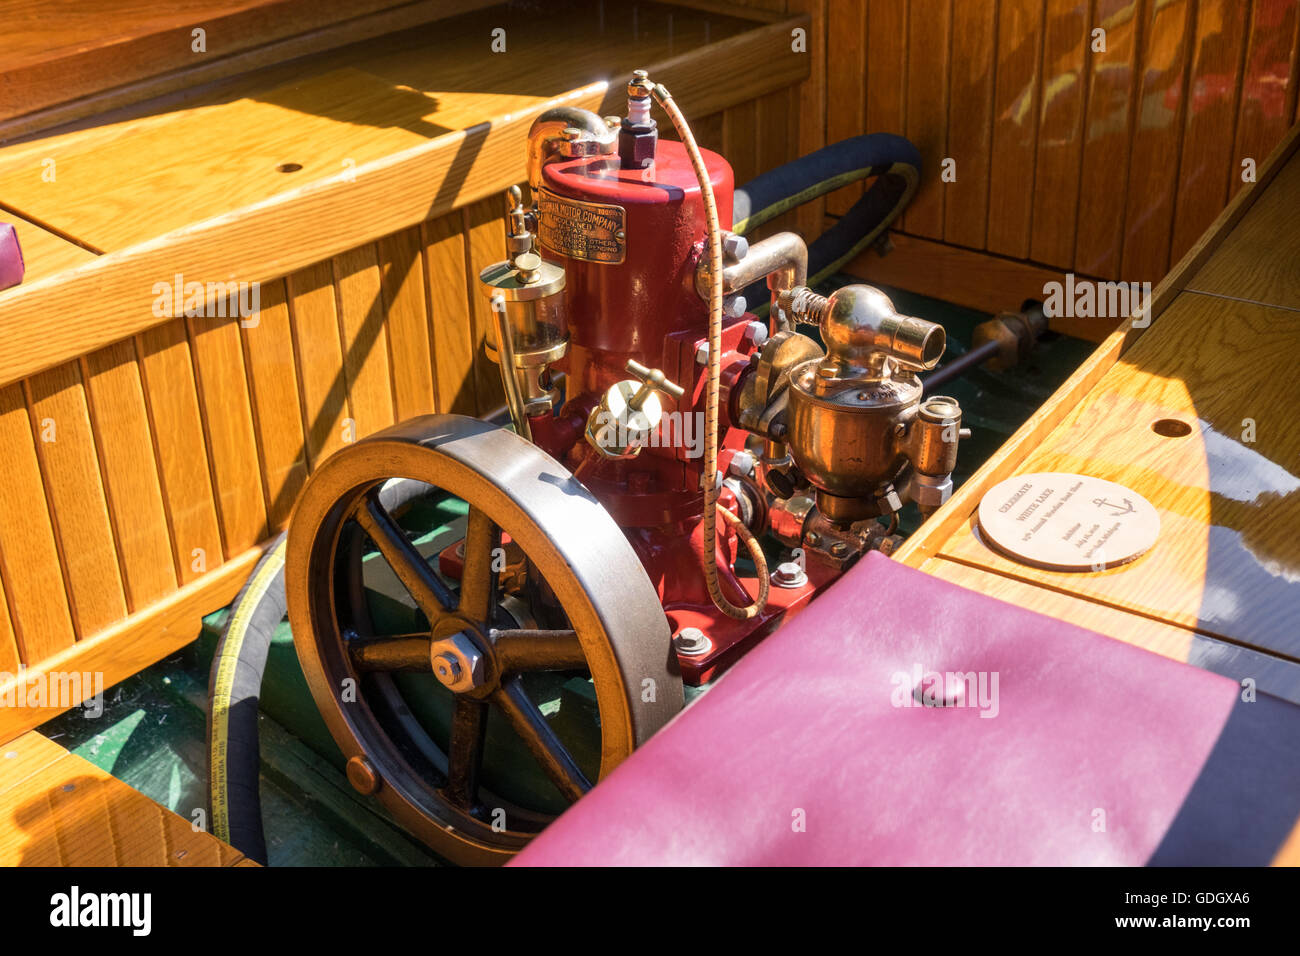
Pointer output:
x,y
709,480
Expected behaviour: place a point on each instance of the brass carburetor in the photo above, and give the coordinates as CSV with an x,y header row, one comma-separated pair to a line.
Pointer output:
x,y
848,434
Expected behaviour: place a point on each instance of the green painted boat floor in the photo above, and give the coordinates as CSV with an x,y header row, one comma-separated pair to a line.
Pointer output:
x,y
152,734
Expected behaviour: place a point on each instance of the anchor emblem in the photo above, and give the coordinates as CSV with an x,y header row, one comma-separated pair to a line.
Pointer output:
x,y
1103,503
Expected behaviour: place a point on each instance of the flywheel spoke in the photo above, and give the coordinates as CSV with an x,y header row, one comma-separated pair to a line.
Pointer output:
x,y
431,594
465,754
408,652
540,739
530,650
478,581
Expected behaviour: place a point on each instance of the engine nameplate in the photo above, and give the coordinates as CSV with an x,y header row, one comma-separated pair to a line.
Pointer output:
x,y
593,232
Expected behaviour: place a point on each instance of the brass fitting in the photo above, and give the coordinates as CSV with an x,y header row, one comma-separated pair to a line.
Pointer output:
x,y
1015,334
629,411
848,410
861,329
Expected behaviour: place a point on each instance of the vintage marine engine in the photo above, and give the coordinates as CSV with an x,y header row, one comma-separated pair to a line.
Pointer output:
x,y
607,550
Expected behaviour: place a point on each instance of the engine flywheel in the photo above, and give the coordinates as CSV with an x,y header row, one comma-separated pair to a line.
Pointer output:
x,y
552,611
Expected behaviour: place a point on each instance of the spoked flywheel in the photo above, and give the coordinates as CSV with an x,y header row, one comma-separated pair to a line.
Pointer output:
x,y
519,675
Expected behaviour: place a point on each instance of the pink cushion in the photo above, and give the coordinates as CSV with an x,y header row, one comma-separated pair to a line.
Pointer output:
x,y
1093,747
11,257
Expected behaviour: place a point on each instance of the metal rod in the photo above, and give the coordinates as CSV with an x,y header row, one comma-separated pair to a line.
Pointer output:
x,y
959,366
509,376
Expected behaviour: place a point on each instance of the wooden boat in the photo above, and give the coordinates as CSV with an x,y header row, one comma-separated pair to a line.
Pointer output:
x,y
253,238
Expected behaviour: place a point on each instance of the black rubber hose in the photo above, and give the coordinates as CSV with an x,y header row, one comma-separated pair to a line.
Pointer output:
x,y
235,686
892,160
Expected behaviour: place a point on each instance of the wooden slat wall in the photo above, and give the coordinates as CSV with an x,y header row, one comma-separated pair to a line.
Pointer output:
x,y
1108,164
147,464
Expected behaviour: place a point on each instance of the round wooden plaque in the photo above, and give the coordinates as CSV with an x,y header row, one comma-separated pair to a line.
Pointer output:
x,y
1065,522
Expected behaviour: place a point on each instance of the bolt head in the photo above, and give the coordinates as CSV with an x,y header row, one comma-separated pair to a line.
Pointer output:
x,y
742,463
734,306
702,354
447,668
735,247
756,333
458,663
788,574
692,642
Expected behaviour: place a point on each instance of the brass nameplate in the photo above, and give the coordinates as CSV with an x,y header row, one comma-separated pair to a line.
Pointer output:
x,y
582,230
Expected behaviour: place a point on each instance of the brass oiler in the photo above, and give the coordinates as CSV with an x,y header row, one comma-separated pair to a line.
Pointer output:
x,y
850,411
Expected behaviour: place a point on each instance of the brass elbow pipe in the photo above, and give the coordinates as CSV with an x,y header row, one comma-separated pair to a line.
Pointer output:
x,y
861,328
782,259
546,138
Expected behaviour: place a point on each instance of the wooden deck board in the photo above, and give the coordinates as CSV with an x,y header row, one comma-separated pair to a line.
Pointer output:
x,y
59,809
1257,260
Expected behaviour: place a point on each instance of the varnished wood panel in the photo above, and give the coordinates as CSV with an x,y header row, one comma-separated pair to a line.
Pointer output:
x,y
1157,140
1152,635
9,659
970,123
846,87
1268,78
273,378
482,225
972,279
1056,168
451,336
740,140
39,611
1107,138
173,403
1017,89
1108,153
402,271
228,424
365,339
1228,560
886,65
931,537
778,143
321,378
126,455
926,121
70,471
811,96
1213,94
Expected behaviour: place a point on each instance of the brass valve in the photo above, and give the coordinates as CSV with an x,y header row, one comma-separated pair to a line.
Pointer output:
x,y
629,412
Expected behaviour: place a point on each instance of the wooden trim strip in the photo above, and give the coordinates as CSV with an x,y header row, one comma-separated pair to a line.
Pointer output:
x,y
132,644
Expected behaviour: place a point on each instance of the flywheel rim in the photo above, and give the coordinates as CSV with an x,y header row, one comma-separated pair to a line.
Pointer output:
x,y
592,569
